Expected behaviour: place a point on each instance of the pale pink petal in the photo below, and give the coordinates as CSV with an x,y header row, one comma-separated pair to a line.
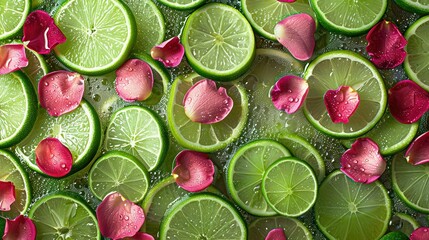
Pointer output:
x,y
170,52
20,228
421,233
289,93
12,58
288,1
341,103
204,103
140,236
276,234
134,80
418,151
7,195
53,158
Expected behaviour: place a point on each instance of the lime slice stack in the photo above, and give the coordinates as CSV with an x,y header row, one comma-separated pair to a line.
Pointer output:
x,y
12,17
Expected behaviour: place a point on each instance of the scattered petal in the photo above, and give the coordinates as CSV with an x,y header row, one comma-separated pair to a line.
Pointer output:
x,y
119,217
341,103
41,33
386,45
134,80
7,195
140,236
288,1
12,58
53,158
204,103
276,234
408,101
193,171
61,92
363,161
421,233
418,151
296,33
170,52
289,93
21,228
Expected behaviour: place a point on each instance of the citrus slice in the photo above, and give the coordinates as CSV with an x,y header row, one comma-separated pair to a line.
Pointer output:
x,y
37,67
294,229
182,4
419,6
13,15
404,223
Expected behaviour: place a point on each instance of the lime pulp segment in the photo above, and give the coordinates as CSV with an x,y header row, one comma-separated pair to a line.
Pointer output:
x,y
12,17
419,6
182,4
294,229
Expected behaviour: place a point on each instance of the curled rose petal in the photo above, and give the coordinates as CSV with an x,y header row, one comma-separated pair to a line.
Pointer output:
x,y
421,233
118,217
341,103
53,158
386,45
204,103
61,92
7,195
193,171
276,234
363,161
170,52
12,58
140,236
418,151
21,228
296,33
289,93
134,80
408,101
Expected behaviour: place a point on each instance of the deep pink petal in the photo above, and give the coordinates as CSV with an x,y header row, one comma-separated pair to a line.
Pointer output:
x,y
386,45
341,103
421,233
408,101
296,33
118,217
7,195
134,80
363,161
21,228
140,236
41,33
170,52
204,103
61,92
53,158
194,170
288,1
276,234
418,151
289,93
12,58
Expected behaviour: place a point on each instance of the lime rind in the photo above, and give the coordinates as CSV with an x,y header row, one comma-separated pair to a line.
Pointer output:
x,y
37,67
294,229
417,6
182,4
10,9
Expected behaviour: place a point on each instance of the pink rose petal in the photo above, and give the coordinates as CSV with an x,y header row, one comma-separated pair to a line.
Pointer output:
x,y
276,234
341,103
296,33
289,93
12,58
418,151
421,233
288,1
170,52
140,236
41,33
386,45
204,103
194,170
61,92
21,228
363,161
118,217
408,101
53,158
7,195
134,80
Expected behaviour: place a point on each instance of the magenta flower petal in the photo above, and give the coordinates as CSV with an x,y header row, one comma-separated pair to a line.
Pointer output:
x,y
289,93
170,52
134,80
7,195
53,158
118,217
341,103
296,33
21,228
363,161
288,1
418,151
12,58
61,92
408,101
140,236
193,171
421,233
276,234
386,45
204,103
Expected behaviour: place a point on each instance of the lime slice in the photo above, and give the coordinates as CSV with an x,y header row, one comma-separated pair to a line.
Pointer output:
x,y
294,229
37,67
119,172
138,131
245,172
182,4
60,216
100,35
219,42
418,6
344,68
349,210
203,216
404,223
12,171
78,130
205,137
12,17
349,18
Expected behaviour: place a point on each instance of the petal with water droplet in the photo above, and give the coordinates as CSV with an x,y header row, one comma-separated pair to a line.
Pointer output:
x,y
12,58
421,233
140,236
7,195
134,80
289,93
276,234
341,103
170,52
418,151
53,157
20,228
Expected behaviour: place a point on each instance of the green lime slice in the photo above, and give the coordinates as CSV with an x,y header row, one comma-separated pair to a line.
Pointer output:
x,y
12,17
182,4
219,42
12,171
404,223
344,68
205,137
349,210
203,216
294,229
138,131
37,67
60,216
100,35
245,172
349,18
418,6
78,130
119,172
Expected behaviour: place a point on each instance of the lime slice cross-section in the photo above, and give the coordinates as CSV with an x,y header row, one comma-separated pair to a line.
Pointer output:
x,y
182,4
12,17
294,229
419,6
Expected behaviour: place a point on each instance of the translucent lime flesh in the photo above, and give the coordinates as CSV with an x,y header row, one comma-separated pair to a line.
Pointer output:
x,y
294,229
37,67
12,17
420,6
